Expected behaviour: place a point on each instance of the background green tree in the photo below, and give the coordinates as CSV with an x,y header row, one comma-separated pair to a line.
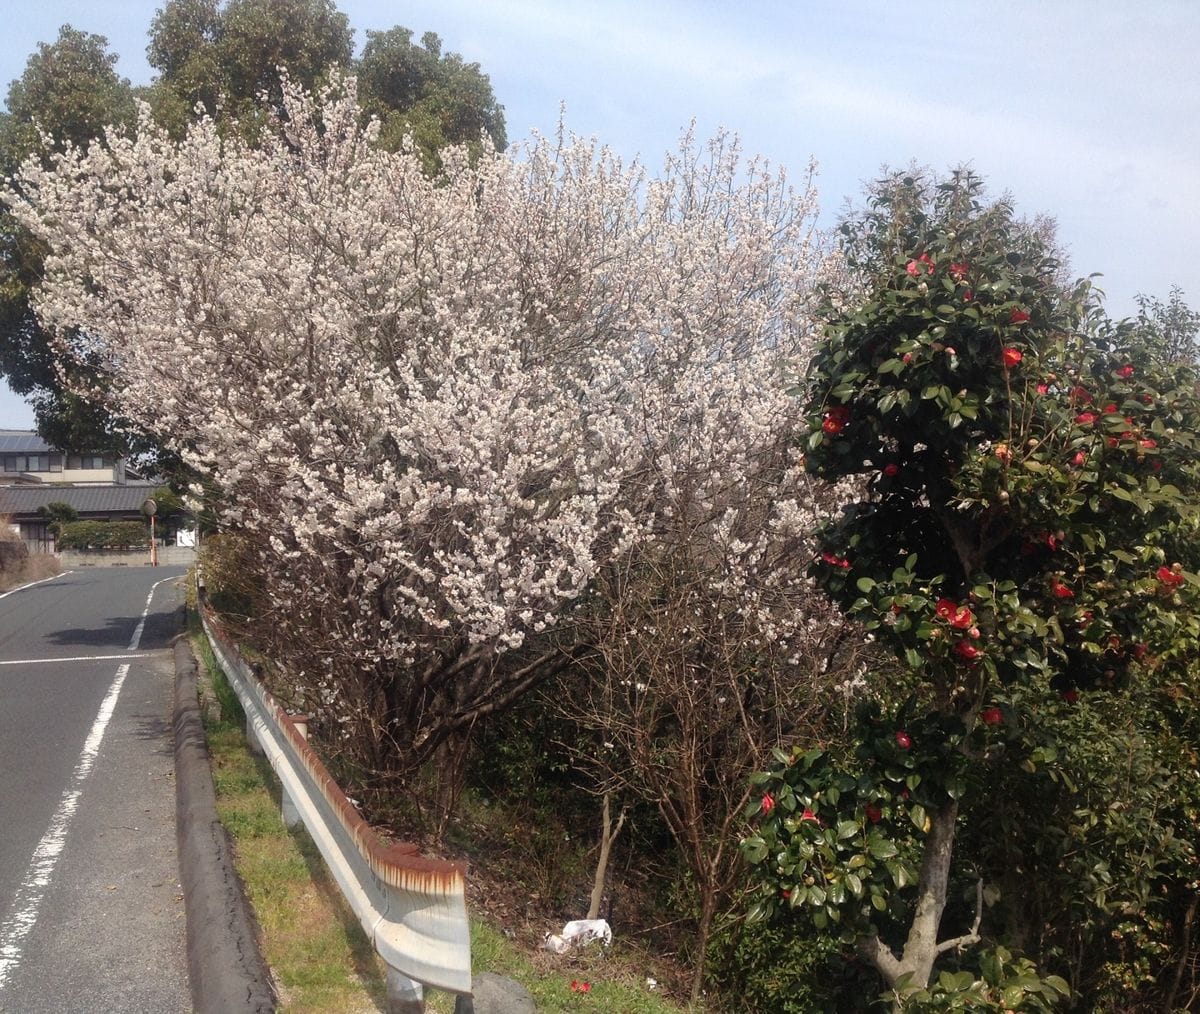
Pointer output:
x,y
70,89
435,97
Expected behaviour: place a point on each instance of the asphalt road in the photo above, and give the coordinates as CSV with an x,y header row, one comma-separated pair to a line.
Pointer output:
x,y
91,912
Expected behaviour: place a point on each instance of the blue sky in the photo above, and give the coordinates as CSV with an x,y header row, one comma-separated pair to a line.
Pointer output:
x,y
1088,110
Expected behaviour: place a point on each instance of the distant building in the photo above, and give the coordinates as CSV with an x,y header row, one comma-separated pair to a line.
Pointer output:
x,y
26,458
33,474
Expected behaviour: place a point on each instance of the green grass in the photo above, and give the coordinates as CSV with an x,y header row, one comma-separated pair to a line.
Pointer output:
x,y
320,958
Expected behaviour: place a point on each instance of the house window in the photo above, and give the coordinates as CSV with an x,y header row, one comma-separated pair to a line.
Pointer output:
x,y
27,462
89,461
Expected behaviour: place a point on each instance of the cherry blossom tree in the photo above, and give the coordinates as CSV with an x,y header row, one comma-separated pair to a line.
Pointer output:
x,y
437,408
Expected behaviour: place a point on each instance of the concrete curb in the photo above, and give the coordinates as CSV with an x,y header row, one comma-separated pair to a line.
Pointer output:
x,y
226,971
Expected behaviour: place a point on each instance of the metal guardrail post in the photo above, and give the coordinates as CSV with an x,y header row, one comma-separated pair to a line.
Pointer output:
x,y
412,908
252,743
404,995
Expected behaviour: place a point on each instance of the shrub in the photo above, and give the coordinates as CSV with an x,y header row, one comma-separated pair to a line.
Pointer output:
x,y
103,535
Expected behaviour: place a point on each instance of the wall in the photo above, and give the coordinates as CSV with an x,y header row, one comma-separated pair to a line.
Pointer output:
x,y
168,556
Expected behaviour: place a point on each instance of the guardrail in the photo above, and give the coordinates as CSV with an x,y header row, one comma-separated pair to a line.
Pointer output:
x,y
412,908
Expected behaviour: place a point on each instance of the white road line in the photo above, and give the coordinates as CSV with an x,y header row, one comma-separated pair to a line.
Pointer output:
x,y
13,591
137,634
74,658
45,857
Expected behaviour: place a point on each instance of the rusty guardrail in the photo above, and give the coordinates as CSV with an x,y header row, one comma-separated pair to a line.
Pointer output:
x,y
413,908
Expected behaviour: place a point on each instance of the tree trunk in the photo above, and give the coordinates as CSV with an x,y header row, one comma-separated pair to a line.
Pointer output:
x,y
708,905
608,835
921,948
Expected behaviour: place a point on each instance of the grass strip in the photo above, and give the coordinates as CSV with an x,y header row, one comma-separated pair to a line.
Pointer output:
x,y
320,959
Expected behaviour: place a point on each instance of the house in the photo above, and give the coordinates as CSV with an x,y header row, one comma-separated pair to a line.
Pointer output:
x,y
33,475
26,458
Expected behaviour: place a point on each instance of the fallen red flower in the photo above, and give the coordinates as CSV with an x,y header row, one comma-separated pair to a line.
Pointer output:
x,y
835,561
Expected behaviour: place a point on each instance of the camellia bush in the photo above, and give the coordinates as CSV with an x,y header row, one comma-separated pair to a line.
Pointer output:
x,y
437,409
1029,474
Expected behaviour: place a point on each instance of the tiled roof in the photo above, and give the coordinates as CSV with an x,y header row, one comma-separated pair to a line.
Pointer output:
x,y
22,442
23,500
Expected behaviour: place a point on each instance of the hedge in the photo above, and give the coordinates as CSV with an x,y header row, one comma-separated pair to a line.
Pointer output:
x,y
103,535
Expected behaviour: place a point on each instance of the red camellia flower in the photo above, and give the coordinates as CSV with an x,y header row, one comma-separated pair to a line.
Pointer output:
x,y
903,739
922,265
1018,316
1082,394
1139,651
1156,465
835,419
959,271
768,803
873,812
1125,372
891,469
1086,418
968,296
991,716
1043,389
1111,409
1070,696
1149,443
580,987
835,561
1011,357
967,651
957,616
1080,457
1171,577
1061,591
809,815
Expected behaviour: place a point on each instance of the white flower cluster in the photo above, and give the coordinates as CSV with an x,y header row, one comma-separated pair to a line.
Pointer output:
x,y
444,404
